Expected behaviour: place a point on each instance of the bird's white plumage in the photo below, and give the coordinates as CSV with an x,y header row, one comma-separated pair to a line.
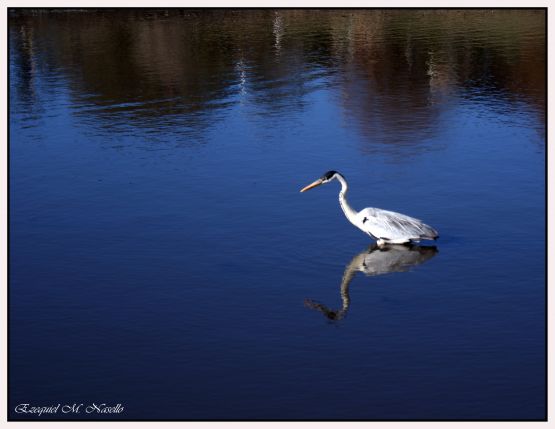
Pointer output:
x,y
383,225
392,226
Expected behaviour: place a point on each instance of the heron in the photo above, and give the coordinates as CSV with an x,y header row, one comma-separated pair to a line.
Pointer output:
x,y
384,226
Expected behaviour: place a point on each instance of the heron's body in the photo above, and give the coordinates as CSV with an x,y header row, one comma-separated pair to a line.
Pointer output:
x,y
383,225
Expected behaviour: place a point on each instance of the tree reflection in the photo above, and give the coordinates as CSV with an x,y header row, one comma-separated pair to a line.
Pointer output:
x,y
391,68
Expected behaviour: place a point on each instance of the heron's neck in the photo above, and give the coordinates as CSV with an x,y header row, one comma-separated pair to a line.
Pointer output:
x,y
347,209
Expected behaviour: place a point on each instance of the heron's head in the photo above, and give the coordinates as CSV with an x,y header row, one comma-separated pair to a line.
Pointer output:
x,y
327,177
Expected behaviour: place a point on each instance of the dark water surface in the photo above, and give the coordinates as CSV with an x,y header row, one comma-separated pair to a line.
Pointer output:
x,y
162,257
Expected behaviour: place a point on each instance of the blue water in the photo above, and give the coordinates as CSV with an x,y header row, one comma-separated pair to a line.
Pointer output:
x,y
161,256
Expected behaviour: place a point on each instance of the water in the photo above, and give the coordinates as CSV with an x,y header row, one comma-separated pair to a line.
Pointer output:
x,y
162,257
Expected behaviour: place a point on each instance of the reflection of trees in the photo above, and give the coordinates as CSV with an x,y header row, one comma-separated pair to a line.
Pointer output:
x,y
385,84
392,67
399,64
164,68
172,64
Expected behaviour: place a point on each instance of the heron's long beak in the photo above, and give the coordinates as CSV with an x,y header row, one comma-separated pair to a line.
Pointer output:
x,y
312,185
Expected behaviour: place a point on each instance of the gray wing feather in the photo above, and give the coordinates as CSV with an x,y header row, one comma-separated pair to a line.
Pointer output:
x,y
387,224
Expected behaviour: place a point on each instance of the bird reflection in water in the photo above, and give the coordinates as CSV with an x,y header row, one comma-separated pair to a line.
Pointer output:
x,y
375,261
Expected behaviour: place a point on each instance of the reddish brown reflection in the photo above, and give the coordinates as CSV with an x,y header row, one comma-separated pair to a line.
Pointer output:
x,y
390,68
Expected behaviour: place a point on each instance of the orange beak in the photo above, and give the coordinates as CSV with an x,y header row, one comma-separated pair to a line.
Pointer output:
x,y
312,185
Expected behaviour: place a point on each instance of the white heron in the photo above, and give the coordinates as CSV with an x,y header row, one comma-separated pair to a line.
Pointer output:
x,y
382,225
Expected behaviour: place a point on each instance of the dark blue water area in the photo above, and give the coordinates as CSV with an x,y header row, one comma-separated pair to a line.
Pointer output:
x,y
166,265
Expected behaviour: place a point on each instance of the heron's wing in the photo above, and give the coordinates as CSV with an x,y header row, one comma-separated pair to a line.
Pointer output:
x,y
391,225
